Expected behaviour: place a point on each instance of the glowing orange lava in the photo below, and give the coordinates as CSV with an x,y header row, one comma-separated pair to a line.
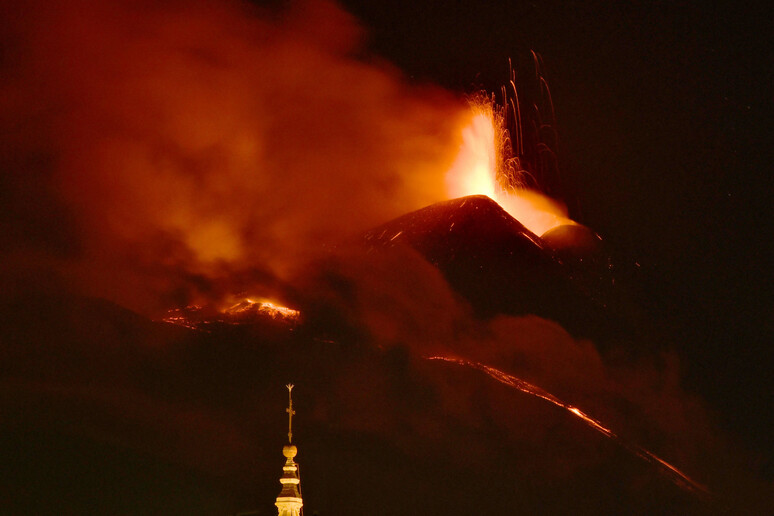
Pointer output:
x,y
263,306
482,168
674,474
245,311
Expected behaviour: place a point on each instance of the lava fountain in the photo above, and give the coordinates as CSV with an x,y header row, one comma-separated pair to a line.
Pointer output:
x,y
484,166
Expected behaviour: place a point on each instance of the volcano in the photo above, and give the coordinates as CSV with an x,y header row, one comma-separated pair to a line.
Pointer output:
x,y
501,267
126,415
108,412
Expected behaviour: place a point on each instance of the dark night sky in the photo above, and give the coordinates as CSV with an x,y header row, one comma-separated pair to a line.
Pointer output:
x,y
663,114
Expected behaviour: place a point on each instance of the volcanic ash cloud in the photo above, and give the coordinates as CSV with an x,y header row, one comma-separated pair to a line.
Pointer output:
x,y
157,149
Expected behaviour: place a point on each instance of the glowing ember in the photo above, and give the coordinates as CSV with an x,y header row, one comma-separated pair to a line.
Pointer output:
x,y
674,474
483,167
182,316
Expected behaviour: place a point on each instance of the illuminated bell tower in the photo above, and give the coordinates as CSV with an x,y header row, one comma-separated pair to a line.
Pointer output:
x,y
289,501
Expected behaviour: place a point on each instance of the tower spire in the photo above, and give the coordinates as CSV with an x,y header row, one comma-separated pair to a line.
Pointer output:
x,y
290,412
289,501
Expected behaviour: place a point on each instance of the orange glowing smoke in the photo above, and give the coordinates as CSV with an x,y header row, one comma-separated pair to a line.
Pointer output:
x,y
192,149
483,167
182,144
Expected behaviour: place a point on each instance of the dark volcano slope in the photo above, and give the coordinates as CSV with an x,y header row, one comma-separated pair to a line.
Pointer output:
x,y
106,412
499,266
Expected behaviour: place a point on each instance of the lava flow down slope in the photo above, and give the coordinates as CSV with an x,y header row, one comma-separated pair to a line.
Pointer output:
x,y
128,415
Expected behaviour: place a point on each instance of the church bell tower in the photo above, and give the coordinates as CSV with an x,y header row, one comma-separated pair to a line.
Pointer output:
x,y
289,501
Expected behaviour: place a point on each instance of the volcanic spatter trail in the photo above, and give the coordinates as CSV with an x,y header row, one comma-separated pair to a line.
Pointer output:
x,y
675,475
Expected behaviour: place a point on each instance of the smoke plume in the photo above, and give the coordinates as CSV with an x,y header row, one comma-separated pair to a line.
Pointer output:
x,y
155,148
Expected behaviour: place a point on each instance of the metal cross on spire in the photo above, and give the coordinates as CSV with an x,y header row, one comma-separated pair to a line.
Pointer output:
x,y
290,412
